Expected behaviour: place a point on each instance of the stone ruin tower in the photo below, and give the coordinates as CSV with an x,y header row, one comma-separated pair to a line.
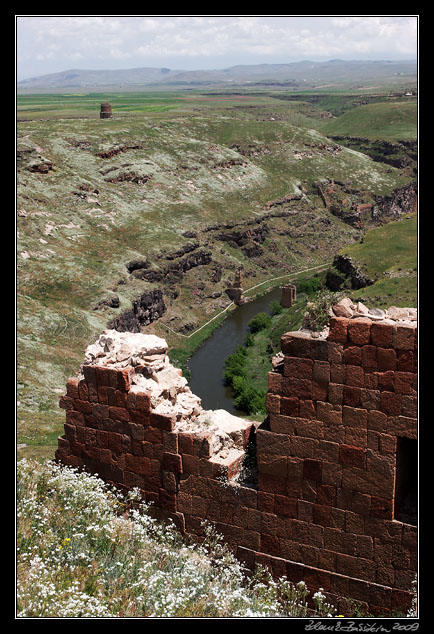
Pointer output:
x,y
329,493
235,290
106,111
289,295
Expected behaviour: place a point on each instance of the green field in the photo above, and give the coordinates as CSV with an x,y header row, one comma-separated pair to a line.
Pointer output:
x,y
390,121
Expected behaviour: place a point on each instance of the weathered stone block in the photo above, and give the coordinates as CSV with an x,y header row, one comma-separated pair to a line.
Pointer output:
x,y
294,387
359,331
267,442
321,515
89,374
297,368
352,355
352,456
103,394
185,443
119,414
117,398
403,383
164,422
371,379
72,387
329,413
123,377
285,506
65,402
312,469
289,406
321,371
369,399
296,344
272,465
82,406
307,409
336,393
326,495
409,406
356,436
404,338
304,447
406,361
402,426
319,349
274,382
354,417
272,483
335,351
386,359
369,357
272,403
382,334
139,417
319,391
338,329
354,376
382,508
351,396
102,375
172,462
390,403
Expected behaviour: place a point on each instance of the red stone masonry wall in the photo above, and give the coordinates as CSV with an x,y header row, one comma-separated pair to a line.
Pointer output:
x,y
323,509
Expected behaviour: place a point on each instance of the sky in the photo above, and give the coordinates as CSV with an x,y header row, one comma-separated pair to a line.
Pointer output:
x,y
50,44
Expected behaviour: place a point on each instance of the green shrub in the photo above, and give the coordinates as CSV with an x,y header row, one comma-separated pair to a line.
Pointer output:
x,y
247,397
249,340
275,308
234,365
318,310
310,286
259,322
250,399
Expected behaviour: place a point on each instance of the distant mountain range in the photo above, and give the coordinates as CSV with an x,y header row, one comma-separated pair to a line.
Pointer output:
x,y
297,74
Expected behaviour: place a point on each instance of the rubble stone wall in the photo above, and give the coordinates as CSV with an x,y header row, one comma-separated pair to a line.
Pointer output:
x,y
322,508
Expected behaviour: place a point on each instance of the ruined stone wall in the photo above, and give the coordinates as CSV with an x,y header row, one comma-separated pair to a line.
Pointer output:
x,y
322,506
329,457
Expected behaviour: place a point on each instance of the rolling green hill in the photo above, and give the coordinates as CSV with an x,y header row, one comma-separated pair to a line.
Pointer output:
x,y
389,120
388,255
302,74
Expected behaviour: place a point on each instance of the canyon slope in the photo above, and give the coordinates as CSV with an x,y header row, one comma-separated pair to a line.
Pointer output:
x,y
140,221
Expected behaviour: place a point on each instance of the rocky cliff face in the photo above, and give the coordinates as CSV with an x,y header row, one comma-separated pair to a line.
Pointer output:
x,y
148,308
402,201
346,266
176,269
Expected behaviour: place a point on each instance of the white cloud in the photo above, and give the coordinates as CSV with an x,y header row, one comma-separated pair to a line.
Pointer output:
x,y
208,41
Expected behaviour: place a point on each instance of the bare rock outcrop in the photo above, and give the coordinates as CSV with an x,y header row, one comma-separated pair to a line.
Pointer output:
x,y
344,265
145,310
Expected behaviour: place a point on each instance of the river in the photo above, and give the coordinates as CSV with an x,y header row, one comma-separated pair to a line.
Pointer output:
x,y
207,365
